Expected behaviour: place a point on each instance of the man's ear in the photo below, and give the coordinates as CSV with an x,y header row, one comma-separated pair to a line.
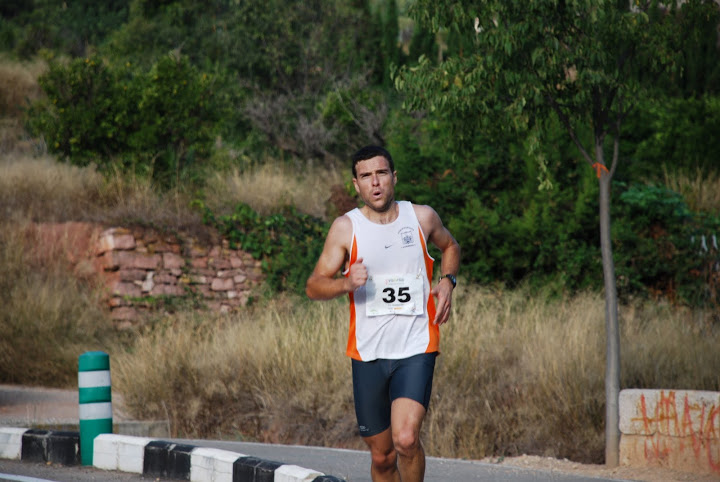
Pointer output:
x,y
355,185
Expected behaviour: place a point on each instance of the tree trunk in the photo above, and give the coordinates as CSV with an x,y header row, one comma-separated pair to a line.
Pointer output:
x,y
612,331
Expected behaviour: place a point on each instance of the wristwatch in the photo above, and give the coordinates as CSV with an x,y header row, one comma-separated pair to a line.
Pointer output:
x,y
451,277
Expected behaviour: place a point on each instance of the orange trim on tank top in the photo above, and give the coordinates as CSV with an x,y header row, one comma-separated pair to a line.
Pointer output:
x,y
433,329
352,350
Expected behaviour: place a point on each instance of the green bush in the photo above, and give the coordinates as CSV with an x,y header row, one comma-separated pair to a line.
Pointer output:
x,y
82,117
663,249
67,28
175,119
288,243
489,197
354,114
158,122
681,133
513,232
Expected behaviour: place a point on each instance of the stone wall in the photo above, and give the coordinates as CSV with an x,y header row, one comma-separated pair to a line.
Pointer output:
x,y
139,267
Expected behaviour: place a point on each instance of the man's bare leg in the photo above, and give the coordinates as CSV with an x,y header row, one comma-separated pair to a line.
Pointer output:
x,y
406,419
384,457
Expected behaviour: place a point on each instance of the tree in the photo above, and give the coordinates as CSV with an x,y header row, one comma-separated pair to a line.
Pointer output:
x,y
389,42
64,27
587,62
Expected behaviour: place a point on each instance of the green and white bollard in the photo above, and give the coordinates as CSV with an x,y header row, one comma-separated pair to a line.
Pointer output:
x,y
95,400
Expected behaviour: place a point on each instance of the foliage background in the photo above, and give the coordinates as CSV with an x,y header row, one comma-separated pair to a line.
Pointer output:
x,y
188,115
175,90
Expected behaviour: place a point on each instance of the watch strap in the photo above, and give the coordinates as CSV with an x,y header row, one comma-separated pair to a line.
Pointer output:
x,y
451,277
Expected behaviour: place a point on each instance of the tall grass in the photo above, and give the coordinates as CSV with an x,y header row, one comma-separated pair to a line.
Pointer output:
x,y
274,372
48,315
19,84
18,87
701,190
269,186
40,188
517,374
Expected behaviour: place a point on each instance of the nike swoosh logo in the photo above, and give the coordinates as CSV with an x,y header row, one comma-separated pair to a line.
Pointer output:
x,y
389,245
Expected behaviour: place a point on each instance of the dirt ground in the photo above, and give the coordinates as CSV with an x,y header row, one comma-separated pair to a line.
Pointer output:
x,y
22,406
653,474
26,406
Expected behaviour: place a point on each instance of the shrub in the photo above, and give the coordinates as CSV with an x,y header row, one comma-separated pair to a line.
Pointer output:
x,y
289,243
159,122
81,119
65,27
664,249
173,127
676,132
489,197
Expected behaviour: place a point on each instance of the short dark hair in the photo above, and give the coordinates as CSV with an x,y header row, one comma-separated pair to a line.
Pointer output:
x,y
368,152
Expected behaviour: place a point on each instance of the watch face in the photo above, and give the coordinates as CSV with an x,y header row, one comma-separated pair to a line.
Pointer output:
x,y
452,279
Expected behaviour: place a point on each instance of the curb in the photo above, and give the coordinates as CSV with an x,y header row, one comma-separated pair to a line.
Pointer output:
x,y
156,458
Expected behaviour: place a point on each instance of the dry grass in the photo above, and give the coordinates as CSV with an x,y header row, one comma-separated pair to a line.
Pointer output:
x,y
274,373
43,189
701,191
517,374
49,315
129,199
40,188
269,186
528,375
18,87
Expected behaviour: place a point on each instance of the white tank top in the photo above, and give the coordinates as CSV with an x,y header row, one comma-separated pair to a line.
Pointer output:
x,y
391,316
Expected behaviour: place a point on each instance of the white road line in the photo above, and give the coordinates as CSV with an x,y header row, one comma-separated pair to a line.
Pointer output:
x,y
21,478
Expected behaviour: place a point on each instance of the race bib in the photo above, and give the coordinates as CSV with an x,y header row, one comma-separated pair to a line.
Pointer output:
x,y
394,295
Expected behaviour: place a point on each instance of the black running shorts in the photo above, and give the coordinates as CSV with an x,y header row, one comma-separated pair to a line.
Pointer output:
x,y
377,383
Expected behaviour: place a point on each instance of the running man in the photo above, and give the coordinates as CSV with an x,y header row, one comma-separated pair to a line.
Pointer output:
x,y
394,319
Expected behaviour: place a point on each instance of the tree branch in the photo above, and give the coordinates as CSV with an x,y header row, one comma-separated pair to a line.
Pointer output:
x,y
568,126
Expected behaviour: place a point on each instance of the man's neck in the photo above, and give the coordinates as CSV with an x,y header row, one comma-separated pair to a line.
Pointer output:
x,y
385,216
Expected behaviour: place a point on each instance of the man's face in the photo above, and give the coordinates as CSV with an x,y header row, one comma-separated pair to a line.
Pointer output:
x,y
375,183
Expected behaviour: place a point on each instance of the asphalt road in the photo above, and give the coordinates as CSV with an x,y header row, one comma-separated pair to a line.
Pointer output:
x,y
16,471
354,465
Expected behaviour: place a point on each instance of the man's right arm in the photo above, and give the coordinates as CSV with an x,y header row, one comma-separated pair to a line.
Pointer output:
x,y
323,284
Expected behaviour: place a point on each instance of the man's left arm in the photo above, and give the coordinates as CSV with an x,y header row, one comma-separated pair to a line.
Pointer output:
x,y
438,235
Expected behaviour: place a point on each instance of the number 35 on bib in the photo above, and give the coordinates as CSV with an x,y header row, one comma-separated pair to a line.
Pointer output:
x,y
394,295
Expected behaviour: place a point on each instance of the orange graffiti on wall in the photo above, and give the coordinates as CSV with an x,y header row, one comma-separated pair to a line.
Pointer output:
x,y
698,421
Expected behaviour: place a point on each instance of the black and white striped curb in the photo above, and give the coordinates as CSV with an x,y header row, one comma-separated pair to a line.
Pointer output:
x,y
157,458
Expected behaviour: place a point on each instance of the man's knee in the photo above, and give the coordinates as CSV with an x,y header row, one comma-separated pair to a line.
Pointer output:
x,y
384,460
406,442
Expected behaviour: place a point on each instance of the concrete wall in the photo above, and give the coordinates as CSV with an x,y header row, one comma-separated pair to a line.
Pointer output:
x,y
678,429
